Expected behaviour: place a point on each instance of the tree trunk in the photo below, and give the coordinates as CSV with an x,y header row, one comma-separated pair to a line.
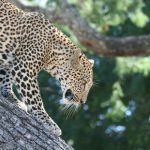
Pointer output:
x,y
20,131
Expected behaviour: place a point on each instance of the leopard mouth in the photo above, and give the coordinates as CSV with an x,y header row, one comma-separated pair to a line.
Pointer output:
x,y
70,98
69,95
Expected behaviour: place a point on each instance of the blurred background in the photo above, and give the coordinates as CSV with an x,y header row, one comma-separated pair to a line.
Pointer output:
x,y
116,115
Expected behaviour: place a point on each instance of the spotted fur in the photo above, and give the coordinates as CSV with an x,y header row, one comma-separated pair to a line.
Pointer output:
x,y
30,43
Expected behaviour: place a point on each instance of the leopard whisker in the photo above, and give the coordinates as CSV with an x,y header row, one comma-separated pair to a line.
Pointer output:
x,y
70,110
76,98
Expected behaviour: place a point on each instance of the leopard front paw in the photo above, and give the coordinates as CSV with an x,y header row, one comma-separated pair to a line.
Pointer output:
x,y
22,105
53,128
4,92
47,121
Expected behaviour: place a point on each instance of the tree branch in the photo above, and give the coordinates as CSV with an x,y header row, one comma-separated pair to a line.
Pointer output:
x,y
89,37
19,130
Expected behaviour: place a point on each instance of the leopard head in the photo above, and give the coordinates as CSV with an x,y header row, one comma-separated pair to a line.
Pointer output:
x,y
77,80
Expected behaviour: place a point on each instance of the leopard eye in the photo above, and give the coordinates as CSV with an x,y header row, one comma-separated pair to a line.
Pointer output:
x,y
85,81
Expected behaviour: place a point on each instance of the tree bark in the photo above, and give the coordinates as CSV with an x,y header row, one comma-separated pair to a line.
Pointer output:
x,y
20,131
109,46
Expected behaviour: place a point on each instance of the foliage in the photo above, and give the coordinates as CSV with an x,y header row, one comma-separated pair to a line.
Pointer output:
x,y
117,113
106,13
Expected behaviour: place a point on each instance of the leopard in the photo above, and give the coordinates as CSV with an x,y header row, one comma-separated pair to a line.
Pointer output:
x,y
29,43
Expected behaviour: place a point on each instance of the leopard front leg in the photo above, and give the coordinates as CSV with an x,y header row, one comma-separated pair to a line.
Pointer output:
x,y
6,83
28,90
35,107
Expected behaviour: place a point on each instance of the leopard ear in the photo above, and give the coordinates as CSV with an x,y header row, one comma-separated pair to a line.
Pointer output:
x,y
92,62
